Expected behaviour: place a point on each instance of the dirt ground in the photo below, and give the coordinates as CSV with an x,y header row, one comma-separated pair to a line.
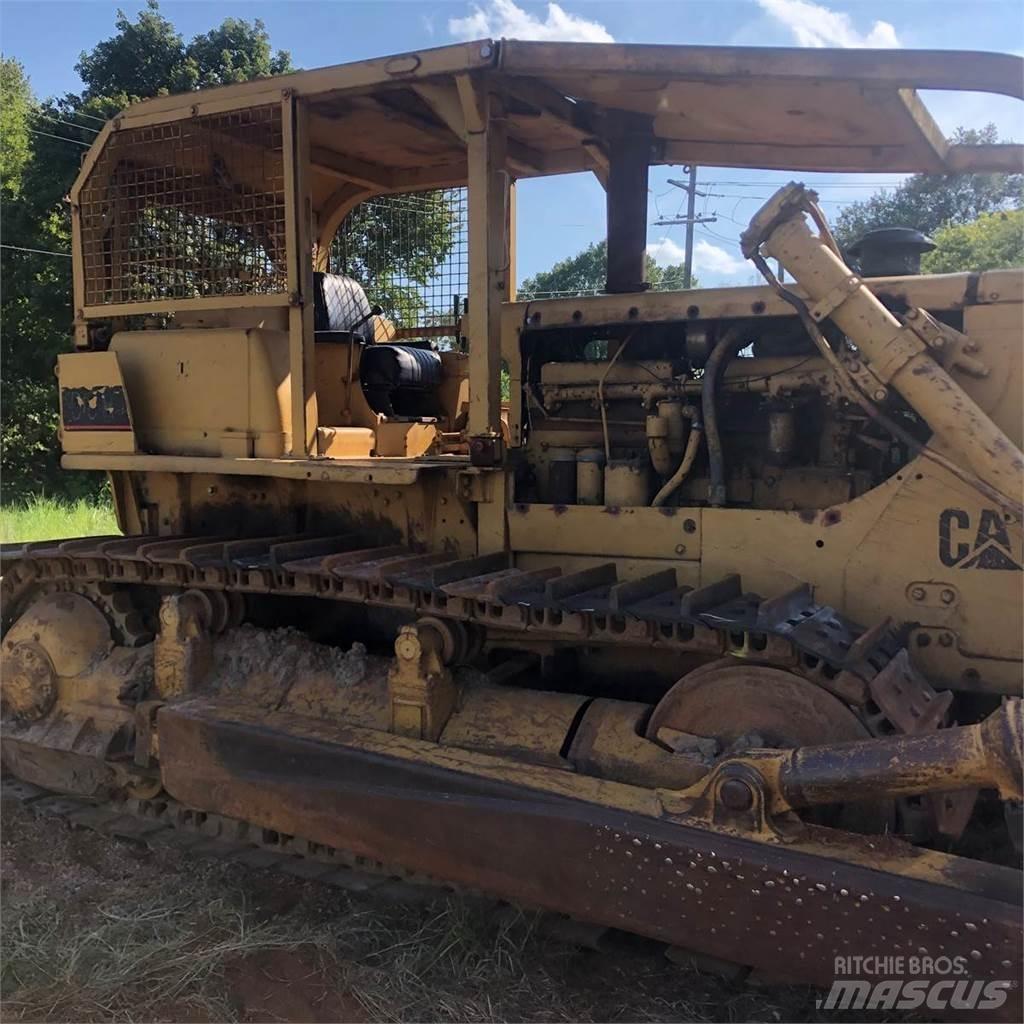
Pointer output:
x,y
97,929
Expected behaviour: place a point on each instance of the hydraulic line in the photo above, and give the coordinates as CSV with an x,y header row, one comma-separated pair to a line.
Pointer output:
x,y
732,341
600,395
982,453
689,457
858,398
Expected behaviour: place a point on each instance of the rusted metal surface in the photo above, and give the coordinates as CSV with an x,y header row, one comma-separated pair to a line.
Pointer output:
x,y
739,700
987,755
681,885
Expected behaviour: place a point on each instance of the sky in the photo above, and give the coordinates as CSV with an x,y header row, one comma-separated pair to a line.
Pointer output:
x,y
557,217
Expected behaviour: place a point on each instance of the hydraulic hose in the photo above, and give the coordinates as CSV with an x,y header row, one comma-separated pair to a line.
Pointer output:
x,y
731,342
689,457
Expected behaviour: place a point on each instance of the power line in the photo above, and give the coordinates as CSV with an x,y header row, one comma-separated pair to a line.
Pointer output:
x,y
721,238
91,117
41,252
815,185
61,138
70,124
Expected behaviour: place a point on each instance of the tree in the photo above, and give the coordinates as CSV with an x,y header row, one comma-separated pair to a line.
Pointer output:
x,y
15,104
149,57
585,273
143,58
994,240
928,202
396,246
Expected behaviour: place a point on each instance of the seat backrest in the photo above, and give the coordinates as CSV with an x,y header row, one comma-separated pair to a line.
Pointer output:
x,y
339,304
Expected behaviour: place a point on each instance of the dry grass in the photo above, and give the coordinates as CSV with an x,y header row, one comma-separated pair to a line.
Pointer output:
x,y
100,930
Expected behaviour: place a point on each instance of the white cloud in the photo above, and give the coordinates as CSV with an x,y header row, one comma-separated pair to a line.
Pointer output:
x,y
712,259
816,25
503,19
666,252
708,259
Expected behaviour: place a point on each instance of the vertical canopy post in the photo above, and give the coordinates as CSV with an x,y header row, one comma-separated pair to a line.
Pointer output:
x,y
299,244
630,138
489,263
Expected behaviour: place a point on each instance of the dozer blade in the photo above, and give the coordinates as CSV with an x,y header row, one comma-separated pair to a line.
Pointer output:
x,y
600,851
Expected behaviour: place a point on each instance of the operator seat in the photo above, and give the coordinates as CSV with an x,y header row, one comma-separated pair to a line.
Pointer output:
x,y
341,310
397,380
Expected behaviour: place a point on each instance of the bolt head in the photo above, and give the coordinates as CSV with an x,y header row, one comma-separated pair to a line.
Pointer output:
x,y
918,593
879,395
736,795
948,596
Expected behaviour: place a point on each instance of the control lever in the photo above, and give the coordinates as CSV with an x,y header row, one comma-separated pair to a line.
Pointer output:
x,y
374,311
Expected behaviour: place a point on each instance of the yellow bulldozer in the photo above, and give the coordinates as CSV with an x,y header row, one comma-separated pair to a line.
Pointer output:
x,y
708,628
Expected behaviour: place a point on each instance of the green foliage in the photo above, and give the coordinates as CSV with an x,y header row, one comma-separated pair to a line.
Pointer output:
x,y
585,273
928,202
394,245
41,518
149,57
15,107
237,51
992,241
143,58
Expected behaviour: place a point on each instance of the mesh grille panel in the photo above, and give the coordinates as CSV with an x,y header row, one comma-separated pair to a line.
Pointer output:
x,y
410,253
189,209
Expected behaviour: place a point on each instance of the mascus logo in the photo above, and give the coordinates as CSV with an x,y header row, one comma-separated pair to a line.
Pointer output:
x,y
978,542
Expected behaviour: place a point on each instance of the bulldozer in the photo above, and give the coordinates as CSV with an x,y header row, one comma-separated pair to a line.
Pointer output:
x,y
707,628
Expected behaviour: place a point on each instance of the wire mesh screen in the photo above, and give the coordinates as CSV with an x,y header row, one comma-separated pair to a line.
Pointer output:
x,y
188,209
410,253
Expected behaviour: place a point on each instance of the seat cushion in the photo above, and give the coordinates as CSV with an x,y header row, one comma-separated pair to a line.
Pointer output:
x,y
389,367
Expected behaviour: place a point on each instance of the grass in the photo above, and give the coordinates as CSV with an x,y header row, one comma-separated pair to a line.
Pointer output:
x,y
52,518
99,930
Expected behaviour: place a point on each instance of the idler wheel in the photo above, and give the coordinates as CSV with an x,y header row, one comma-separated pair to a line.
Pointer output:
x,y
742,706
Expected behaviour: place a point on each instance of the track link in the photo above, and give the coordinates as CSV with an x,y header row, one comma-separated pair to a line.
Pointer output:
x,y
592,605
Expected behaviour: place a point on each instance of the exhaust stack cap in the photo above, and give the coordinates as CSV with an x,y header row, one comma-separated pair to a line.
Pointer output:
x,y
890,252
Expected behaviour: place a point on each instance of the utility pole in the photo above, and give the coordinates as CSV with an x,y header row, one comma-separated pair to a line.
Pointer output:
x,y
691,200
690,188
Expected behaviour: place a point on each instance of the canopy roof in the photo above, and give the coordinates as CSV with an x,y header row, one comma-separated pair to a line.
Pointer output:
x,y
398,122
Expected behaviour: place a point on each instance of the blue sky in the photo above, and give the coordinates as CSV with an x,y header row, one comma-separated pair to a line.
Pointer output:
x,y
558,217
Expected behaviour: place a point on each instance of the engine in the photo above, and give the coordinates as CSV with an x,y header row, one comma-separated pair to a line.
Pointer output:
x,y
738,413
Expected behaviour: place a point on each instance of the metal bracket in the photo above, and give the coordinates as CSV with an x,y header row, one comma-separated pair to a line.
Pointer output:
x,y
420,686
737,795
951,348
475,486
835,298
903,346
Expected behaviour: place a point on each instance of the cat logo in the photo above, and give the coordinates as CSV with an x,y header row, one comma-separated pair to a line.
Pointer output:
x,y
984,544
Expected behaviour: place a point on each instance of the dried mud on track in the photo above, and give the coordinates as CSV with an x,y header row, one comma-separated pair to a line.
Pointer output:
x,y
97,929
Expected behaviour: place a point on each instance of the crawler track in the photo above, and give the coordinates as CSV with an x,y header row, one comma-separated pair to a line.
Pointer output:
x,y
868,668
